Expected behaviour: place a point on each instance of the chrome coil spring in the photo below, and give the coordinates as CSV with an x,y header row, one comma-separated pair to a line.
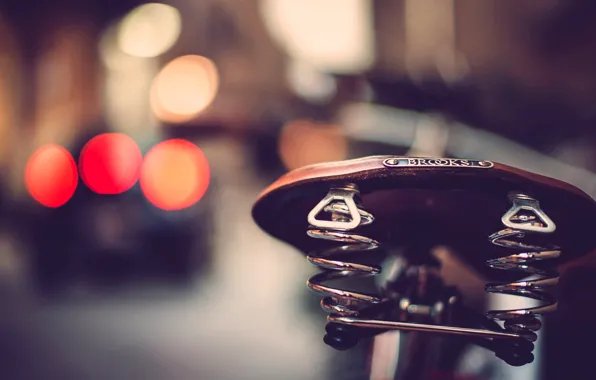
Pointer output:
x,y
346,213
523,218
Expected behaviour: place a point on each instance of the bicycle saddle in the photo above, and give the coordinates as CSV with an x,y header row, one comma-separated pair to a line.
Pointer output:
x,y
500,220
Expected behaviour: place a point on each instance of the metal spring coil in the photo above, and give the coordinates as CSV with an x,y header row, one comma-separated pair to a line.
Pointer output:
x,y
338,301
523,322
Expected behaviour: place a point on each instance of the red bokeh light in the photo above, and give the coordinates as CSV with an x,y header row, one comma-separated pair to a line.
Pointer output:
x,y
175,174
51,176
110,163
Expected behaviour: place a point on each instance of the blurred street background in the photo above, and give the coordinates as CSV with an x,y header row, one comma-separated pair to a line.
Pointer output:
x,y
135,138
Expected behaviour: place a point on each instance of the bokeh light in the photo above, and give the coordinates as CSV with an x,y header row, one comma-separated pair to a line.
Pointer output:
x,y
51,176
310,83
110,163
149,30
183,88
304,142
175,175
126,83
331,35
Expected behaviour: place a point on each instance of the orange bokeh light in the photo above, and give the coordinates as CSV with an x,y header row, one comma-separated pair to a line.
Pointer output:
x,y
110,163
305,142
183,88
175,175
51,176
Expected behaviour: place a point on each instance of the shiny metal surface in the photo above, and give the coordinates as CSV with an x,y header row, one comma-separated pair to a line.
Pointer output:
x,y
345,195
524,320
436,162
538,222
341,302
408,326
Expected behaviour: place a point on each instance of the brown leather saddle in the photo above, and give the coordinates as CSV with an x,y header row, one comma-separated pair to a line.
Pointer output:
x,y
502,222
452,202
